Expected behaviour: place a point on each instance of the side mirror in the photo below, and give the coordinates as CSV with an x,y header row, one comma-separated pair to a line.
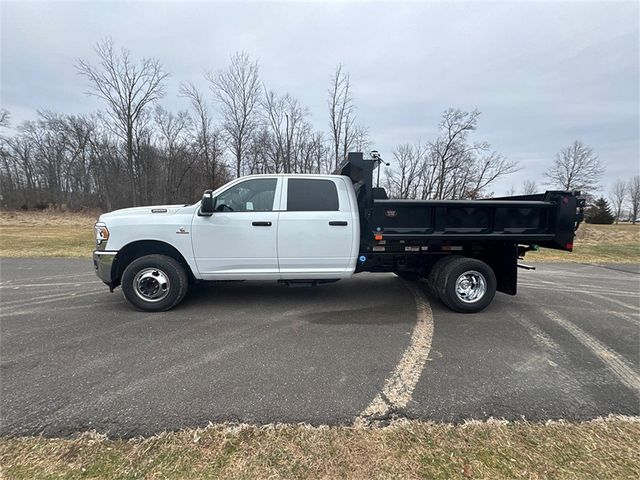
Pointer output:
x,y
207,206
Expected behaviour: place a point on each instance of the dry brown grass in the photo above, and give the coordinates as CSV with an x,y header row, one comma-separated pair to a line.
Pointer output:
x,y
620,234
49,218
597,244
47,234
596,449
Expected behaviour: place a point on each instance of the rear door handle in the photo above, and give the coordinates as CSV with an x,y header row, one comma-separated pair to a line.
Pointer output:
x,y
261,224
338,224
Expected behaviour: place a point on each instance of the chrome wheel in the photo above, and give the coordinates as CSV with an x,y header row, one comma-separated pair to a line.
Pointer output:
x,y
470,286
151,284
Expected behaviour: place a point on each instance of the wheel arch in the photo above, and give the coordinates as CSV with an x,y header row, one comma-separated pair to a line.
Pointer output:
x,y
139,248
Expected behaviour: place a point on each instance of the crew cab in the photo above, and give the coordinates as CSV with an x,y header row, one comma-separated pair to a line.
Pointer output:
x,y
315,229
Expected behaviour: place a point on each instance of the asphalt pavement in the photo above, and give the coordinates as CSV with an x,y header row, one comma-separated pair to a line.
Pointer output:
x,y
74,357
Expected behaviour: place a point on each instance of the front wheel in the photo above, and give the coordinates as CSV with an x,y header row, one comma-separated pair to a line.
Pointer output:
x,y
466,285
154,283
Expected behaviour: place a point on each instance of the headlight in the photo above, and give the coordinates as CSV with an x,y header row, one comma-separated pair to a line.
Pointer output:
x,y
102,233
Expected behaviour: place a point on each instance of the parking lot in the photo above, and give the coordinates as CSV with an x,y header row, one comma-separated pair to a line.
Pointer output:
x,y
75,357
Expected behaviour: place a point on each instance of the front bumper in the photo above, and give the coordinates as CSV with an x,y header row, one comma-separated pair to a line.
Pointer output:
x,y
103,263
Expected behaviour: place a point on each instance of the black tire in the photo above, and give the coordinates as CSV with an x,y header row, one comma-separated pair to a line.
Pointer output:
x,y
161,279
482,277
433,279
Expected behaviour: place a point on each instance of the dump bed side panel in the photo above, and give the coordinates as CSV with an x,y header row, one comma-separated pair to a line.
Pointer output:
x,y
549,221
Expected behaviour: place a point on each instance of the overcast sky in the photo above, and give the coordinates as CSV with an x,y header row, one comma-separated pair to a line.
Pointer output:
x,y
542,73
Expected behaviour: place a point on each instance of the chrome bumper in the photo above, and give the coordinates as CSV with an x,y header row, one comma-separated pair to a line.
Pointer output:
x,y
102,263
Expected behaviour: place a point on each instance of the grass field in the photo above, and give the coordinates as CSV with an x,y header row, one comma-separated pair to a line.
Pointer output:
x,y
597,449
45,234
597,244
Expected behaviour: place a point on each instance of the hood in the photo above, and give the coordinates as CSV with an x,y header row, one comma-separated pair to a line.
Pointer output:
x,y
136,211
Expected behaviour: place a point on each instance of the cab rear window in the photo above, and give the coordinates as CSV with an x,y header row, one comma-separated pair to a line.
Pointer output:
x,y
311,195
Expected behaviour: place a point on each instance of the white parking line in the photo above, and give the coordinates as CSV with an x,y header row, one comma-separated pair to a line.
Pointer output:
x,y
14,309
628,317
44,285
611,359
572,385
36,300
617,302
51,277
557,288
398,388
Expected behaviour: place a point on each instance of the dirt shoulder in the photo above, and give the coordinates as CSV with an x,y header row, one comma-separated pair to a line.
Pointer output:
x,y
596,449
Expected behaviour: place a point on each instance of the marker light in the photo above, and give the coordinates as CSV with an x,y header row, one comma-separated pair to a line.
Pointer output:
x,y
377,236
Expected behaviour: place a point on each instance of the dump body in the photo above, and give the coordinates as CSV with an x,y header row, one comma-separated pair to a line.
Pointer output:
x,y
411,235
549,222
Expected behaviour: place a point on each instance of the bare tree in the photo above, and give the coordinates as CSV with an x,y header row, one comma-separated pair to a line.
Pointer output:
x,y
7,180
5,117
450,149
618,196
238,91
290,134
127,87
341,121
275,116
486,170
634,194
448,167
209,140
21,161
576,167
132,153
360,141
529,187
462,169
403,179
173,142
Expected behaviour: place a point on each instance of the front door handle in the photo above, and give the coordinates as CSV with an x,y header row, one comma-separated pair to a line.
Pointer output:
x,y
261,224
338,224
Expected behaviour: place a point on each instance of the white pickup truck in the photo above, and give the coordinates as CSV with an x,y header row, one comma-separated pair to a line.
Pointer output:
x,y
322,228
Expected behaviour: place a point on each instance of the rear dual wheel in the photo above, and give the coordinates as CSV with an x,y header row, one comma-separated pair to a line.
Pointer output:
x,y
465,285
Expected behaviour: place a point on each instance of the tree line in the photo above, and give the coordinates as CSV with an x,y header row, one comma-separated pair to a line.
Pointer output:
x,y
449,167
136,152
625,200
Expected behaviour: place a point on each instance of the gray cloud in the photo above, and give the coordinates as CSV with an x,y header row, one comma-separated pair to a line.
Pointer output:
x,y
543,74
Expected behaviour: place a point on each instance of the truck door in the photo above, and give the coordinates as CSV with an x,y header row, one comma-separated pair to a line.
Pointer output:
x,y
315,229
239,240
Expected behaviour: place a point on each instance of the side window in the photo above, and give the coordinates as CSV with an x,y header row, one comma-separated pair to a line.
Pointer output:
x,y
251,195
310,195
